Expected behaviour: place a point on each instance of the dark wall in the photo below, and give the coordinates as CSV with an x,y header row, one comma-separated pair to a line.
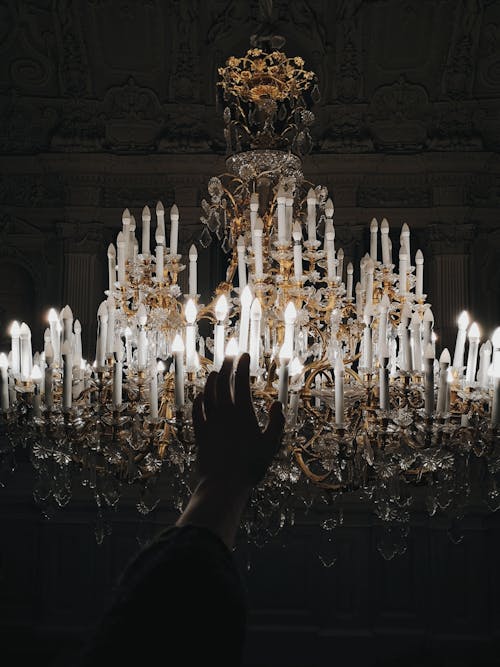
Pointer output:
x,y
110,104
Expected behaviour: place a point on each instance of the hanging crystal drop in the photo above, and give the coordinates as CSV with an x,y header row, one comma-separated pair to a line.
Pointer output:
x,y
205,238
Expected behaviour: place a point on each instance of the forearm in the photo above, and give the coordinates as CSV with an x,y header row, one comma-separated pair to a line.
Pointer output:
x,y
216,507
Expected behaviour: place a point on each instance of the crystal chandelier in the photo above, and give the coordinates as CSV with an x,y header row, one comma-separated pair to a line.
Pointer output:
x,y
370,406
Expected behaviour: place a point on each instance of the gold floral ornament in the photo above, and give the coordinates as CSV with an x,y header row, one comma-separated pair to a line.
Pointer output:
x,y
259,76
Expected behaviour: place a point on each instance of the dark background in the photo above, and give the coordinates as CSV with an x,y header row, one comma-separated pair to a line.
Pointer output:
x,y
108,104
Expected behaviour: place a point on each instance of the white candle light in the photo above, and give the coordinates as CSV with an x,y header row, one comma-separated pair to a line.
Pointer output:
x,y
26,351
193,278
458,356
67,374
367,356
444,363
126,235
312,201
382,327
281,202
257,247
330,249
153,392
190,313
495,340
221,310
245,305
369,268
288,218
483,378
297,250
242,269
15,347
403,270
121,250
178,353
49,359
290,316
142,343
232,349
118,374
404,341
350,272
473,336
340,259
416,343
36,377
405,240
373,239
254,209
384,381
495,400
110,336
102,334
255,319
174,229
419,277
384,240
77,343
338,372
4,380
427,325
429,380
160,252
284,356
146,231
111,267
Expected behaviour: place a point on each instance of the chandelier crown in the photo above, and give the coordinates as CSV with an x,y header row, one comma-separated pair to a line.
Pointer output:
x,y
267,99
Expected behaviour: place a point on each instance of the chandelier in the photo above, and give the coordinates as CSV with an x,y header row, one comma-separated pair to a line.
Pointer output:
x,y
350,351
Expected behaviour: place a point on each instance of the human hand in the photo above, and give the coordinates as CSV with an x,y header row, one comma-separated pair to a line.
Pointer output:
x,y
231,447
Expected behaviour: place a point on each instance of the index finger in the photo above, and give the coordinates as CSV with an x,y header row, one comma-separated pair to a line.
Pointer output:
x,y
242,393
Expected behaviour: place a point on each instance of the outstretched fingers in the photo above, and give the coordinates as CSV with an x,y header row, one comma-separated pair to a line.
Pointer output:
x,y
242,392
223,388
210,395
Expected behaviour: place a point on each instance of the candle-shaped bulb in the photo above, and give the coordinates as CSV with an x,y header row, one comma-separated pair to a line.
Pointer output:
x,y
36,373
297,231
174,212
142,315
177,344
111,253
463,320
146,214
193,253
311,197
445,357
374,225
329,208
190,311
232,348
474,333
495,339
221,308
246,297
290,313
126,216
159,208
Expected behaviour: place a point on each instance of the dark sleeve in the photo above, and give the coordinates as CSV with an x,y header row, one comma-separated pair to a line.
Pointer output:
x,y
182,595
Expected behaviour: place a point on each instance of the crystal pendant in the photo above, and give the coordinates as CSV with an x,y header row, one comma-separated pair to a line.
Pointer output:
x,y
205,238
